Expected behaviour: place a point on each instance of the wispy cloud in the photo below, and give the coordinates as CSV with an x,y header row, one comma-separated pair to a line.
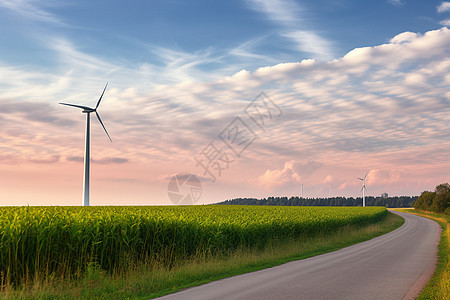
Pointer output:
x,y
247,51
284,12
102,161
445,22
398,3
443,7
32,10
167,178
290,16
51,160
312,43
35,112
70,55
181,65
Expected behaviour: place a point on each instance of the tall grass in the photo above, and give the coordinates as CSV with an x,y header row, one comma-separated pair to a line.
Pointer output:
x,y
47,242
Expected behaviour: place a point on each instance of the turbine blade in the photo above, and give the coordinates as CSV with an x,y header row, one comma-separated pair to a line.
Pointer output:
x,y
359,178
366,175
78,106
98,103
100,120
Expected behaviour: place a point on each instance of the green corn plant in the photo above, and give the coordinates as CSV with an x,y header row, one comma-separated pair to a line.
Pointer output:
x,y
43,242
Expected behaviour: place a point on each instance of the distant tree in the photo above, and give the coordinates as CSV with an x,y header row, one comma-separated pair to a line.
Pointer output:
x,y
335,201
425,201
379,202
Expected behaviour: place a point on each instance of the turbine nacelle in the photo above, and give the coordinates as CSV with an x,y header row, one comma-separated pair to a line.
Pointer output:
x,y
363,179
88,111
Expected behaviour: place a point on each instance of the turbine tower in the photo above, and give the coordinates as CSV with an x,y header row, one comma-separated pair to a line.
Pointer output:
x,y
364,189
87,154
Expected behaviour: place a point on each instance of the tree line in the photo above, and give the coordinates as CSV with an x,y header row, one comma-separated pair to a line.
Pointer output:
x,y
403,201
437,201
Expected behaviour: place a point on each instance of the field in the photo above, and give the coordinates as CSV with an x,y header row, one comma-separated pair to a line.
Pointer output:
x,y
64,242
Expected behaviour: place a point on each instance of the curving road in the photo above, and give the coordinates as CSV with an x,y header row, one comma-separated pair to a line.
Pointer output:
x,y
394,266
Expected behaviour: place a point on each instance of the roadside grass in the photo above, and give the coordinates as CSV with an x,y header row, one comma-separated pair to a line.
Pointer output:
x,y
153,280
438,287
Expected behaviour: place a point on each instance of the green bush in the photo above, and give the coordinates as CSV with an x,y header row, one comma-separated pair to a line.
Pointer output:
x,y
437,201
425,201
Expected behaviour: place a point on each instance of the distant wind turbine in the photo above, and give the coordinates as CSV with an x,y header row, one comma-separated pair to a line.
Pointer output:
x,y
87,155
363,189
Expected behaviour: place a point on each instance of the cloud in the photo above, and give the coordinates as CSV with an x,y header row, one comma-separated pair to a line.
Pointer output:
x,y
293,172
44,158
329,179
277,178
332,182
69,54
280,11
398,3
167,178
50,160
415,79
384,177
32,10
403,37
343,186
445,22
443,7
8,159
110,160
34,112
185,63
390,98
102,161
310,42
75,158
249,51
290,16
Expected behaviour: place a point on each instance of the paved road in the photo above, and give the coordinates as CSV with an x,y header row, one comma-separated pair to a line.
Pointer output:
x,y
393,266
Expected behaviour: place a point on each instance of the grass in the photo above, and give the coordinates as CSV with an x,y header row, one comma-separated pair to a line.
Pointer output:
x,y
438,287
146,281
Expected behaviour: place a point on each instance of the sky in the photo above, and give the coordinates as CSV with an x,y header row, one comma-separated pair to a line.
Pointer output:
x,y
255,98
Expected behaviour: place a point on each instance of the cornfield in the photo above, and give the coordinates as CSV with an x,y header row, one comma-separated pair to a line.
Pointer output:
x,y
39,241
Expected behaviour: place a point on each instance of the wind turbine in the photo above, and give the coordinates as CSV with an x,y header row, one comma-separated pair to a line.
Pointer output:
x,y
363,189
87,155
